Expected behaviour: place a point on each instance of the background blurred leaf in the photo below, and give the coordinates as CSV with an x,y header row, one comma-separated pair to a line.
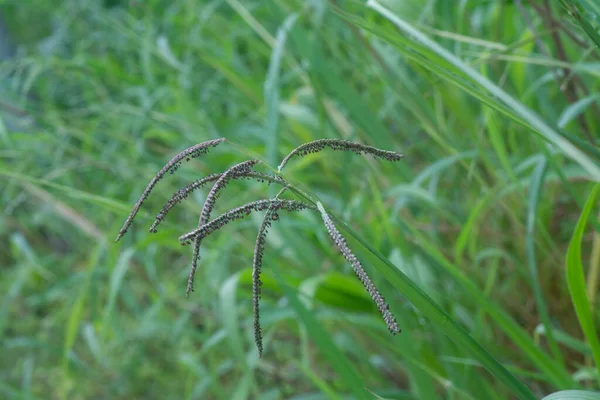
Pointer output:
x,y
576,280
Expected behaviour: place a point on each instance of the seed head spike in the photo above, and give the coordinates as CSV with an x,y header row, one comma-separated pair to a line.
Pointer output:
x,y
339,144
183,193
360,272
171,166
259,249
240,213
208,206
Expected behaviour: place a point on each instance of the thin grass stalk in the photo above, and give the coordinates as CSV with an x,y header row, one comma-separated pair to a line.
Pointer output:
x,y
172,166
261,239
360,272
183,193
342,145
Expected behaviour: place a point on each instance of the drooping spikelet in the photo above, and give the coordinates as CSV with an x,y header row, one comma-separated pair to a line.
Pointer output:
x,y
172,166
340,241
183,193
259,249
208,206
339,144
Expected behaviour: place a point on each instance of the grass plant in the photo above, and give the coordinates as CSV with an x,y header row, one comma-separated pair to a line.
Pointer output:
x,y
484,239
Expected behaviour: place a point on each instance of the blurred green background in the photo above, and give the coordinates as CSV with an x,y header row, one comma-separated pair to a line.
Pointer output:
x,y
495,105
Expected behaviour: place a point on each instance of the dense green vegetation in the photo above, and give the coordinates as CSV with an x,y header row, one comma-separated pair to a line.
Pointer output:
x,y
484,239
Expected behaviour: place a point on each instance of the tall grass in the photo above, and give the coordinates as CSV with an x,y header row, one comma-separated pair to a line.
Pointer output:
x,y
483,239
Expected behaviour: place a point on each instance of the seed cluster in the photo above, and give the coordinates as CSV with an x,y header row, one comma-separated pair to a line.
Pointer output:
x,y
179,196
259,251
172,166
243,170
183,193
360,272
342,145
214,193
209,203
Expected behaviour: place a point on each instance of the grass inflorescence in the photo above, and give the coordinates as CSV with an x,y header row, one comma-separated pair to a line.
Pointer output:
x,y
207,226
471,242
172,166
183,193
261,240
341,145
360,272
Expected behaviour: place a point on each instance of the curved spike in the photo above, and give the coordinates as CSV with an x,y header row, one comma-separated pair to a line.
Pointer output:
x,y
360,272
171,166
339,144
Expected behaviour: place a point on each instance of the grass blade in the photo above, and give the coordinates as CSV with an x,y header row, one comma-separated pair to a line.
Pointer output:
x,y
324,341
535,188
520,109
271,89
576,280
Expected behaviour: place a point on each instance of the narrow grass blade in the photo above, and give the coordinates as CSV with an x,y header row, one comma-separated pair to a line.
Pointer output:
x,y
271,89
319,382
535,188
573,110
116,281
77,310
338,361
576,280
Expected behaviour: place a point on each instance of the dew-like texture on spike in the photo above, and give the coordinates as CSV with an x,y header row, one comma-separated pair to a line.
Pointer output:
x,y
342,145
259,250
377,297
183,193
171,166
209,203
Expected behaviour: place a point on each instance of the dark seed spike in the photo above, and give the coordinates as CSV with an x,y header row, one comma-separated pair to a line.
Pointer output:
x,y
183,193
377,297
179,196
207,208
195,257
339,144
259,248
213,195
240,213
171,166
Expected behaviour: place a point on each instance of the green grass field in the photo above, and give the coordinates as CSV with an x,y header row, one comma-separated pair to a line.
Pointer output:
x,y
484,238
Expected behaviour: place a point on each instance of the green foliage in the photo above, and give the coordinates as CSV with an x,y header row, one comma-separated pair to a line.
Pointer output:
x,y
469,237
